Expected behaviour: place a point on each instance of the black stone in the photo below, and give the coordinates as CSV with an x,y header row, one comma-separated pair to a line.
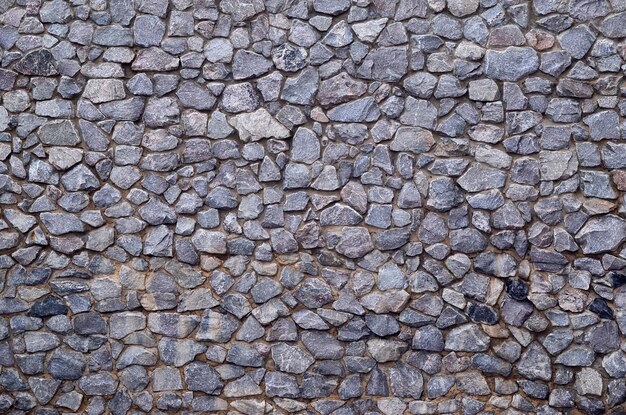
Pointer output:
x,y
481,313
48,306
617,280
39,63
517,289
601,308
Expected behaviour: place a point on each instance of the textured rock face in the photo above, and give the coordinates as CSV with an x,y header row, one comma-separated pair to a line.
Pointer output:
x,y
329,207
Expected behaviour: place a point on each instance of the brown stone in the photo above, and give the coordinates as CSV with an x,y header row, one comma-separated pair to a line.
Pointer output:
x,y
539,40
619,178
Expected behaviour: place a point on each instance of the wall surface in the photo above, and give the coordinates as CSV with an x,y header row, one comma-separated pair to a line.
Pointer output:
x,y
335,207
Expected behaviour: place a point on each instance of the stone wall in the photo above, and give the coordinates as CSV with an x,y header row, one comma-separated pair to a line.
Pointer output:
x,y
335,207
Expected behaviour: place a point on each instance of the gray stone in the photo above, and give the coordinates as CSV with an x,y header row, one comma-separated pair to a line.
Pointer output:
x,y
613,26
467,338
385,64
601,234
510,64
202,377
291,359
249,65
577,41
360,110
354,242
257,125
340,88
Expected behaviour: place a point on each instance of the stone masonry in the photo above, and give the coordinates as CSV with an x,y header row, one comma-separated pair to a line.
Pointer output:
x,y
312,207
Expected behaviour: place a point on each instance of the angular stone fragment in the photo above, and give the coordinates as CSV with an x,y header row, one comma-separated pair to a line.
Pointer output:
x,y
291,359
511,64
460,8
354,242
557,165
154,59
98,384
200,376
289,58
172,324
413,139
339,89
577,40
249,65
383,350
257,125
603,125
468,338
193,95
479,177
37,63
122,324
534,363
385,64
301,89
209,242
360,110
313,293
406,381
216,327
61,223
614,26
601,234
59,133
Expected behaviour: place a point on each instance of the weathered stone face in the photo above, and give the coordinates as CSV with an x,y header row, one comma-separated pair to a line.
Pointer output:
x,y
312,207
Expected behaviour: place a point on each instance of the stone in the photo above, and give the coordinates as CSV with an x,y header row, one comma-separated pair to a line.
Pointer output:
x,y
37,63
603,125
468,338
534,363
577,41
125,323
148,30
354,242
257,125
66,365
613,26
331,7
202,377
289,58
406,381
302,88
387,64
209,242
154,59
601,234
510,64
478,178
98,384
383,350
249,65
291,359
413,139
360,110
60,133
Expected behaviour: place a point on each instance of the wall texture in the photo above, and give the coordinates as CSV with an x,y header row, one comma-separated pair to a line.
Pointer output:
x,y
312,206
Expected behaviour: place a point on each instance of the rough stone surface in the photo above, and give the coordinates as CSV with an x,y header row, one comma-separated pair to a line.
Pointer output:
x,y
329,207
